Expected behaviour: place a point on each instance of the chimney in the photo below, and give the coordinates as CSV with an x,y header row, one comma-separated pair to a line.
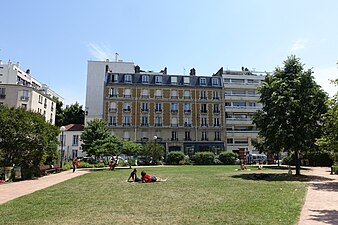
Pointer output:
x,y
116,56
28,71
137,69
192,72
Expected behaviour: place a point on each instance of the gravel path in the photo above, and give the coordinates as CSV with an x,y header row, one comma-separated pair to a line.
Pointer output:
x,y
321,203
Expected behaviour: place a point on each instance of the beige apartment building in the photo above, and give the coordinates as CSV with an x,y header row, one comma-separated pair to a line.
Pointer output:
x,y
182,112
19,89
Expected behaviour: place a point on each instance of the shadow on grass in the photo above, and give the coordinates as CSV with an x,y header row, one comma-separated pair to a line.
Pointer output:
x,y
325,216
279,177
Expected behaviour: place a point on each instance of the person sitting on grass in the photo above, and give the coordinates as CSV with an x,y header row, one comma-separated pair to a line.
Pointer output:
x,y
133,177
146,178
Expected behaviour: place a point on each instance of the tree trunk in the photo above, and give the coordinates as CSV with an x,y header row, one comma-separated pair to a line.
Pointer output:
x,y
297,163
278,159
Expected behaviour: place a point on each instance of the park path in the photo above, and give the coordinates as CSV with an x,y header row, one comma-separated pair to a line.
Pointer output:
x,y
10,191
321,201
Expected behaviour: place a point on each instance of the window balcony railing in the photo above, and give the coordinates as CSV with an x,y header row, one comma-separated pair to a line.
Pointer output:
x,y
174,97
205,139
187,124
112,124
203,97
187,111
126,110
144,125
158,110
158,96
187,97
144,96
204,125
217,139
187,139
24,98
216,111
158,124
113,95
127,96
144,110
174,125
126,124
174,139
112,110
174,111
204,111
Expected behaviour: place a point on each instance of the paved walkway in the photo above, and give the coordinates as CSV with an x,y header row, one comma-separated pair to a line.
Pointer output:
x,y
321,203
14,190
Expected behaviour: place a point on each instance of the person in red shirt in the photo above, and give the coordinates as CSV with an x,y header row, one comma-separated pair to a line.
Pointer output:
x,y
146,178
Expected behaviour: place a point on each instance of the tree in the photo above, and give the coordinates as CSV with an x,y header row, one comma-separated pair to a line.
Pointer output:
x,y
26,139
59,112
130,148
293,103
95,131
73,114
329,141
154,150
108,146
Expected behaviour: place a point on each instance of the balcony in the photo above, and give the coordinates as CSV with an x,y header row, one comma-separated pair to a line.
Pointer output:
x,y
158,96
144,125
204,125
187,139
126,96
112,110
187,111
187,97
205,139
216,111
217,125
174,97
144,139
127,110
158,124
174,125
204,97
126,124
217,139
158,110
204,111
145,96
174,139
174,111
112,124
113,95
187,124
144,110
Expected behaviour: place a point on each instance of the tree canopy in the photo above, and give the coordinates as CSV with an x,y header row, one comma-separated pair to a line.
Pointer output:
x,y
73,114
26,139
293,103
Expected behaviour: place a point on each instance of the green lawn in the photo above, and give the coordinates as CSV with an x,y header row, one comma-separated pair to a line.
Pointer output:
x,y
191,195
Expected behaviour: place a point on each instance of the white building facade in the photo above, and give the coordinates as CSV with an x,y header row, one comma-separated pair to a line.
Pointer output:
x,y
71,141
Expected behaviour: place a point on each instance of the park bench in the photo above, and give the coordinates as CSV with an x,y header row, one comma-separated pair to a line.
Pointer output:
x,y
45,169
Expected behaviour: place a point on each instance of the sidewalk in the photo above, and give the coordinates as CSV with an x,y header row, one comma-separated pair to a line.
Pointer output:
x,y
14,190
321,200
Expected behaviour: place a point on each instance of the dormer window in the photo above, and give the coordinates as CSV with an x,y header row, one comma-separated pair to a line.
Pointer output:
x,y
173,80
215,81
186,80
145,79
158,79
127,78
203,81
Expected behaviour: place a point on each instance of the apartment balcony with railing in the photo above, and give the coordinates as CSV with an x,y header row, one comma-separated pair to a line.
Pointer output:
x,y
112,110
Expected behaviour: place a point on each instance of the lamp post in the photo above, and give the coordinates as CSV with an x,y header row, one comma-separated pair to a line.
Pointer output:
x,y
62,129
155,138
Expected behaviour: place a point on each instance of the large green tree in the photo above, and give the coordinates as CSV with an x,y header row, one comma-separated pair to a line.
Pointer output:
x,y
73,114
26,139
329,141
293,103
154,150
94,131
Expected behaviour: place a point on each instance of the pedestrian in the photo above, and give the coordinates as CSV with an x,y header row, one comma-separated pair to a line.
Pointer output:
x,y
75,163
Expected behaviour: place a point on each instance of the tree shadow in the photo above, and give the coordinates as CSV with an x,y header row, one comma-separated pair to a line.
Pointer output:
x,y
279,177
325,216
329,186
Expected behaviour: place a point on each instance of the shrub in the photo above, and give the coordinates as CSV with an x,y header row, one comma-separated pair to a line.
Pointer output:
x,y
335,168
228,158
100,165
204,158
175,158
85,165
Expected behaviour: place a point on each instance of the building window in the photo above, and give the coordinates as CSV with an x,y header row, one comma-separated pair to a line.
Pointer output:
x,y
75,140
2,93
158,107
217,136
126,121
144,107
230,141
158,121
203,81
173,80
252,104
174,122
113,107
145,93
158,94
204,136
45,105
187,121
251,81
127,93
216,108
112,121
113,92
174,107
239,104
241,141
174,136
115,78
215,95
25,95
237,81
204,108
187,107
24,106
158,79
186,80
40,99
126,136
126,107
215,81
187,94
144,121
127,78
203,95
145,79
216,122
187,136
174,94
204,122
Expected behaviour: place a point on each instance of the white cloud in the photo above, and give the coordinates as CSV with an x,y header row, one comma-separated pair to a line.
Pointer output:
x,y
299,44
323,77
100,52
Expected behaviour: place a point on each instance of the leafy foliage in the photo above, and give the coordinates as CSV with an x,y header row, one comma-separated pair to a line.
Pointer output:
x,y
73,114
27,140
175,157
204,158
154,150
228,158
131,148
293,103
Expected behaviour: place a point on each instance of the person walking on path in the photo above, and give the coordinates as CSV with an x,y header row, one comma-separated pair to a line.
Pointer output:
x,y
75,164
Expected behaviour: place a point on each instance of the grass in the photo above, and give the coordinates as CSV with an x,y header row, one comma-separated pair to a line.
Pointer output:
x,y
191,195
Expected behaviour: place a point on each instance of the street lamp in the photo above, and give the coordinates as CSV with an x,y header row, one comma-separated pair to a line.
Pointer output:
x,y
155,138
62,129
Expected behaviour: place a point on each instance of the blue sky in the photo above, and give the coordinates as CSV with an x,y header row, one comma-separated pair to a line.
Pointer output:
x,y
55,39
